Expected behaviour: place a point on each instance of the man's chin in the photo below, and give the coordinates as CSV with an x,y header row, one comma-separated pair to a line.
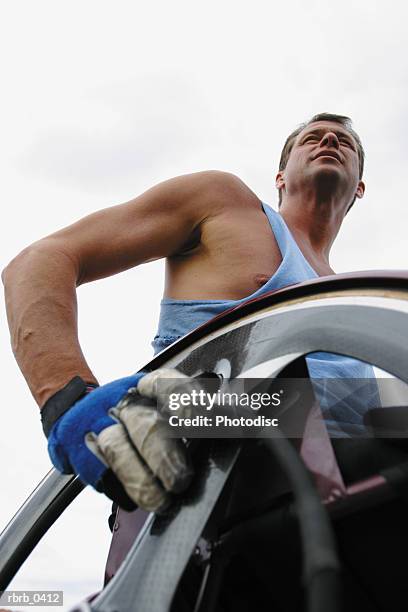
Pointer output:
x,y
328,174
328,180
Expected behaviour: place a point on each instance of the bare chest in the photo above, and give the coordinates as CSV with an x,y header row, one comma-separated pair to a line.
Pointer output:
x,y
237,255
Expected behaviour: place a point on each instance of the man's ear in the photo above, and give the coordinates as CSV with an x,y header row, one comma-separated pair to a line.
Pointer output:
x,y
360,189
280,180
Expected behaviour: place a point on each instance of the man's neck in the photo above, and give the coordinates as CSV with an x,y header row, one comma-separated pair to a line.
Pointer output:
x,y
314,224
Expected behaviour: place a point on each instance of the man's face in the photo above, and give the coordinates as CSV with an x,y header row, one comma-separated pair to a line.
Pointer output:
x,y
324,158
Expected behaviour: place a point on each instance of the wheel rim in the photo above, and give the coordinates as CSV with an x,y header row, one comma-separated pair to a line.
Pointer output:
x,y
371,327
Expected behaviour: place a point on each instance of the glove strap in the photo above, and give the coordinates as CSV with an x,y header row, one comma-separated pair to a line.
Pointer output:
x,y
62,401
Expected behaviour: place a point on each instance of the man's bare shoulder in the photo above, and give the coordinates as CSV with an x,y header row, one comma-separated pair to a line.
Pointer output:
x,y
221,189
213,199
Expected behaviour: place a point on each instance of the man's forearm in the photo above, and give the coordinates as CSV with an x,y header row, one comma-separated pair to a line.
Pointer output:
x,y
40,290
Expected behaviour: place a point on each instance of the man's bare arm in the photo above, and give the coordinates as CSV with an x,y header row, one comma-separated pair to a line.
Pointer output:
x,y
40,282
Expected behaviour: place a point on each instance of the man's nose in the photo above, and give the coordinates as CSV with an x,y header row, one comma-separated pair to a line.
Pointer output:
x,y
330,140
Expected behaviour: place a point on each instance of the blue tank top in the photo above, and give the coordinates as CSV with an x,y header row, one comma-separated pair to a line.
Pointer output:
x,y
342,413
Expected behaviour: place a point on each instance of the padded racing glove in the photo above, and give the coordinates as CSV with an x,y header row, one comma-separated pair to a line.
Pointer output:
x,y
114,438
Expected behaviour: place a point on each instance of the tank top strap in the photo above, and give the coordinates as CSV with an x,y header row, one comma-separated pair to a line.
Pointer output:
x,y
279,228
294,267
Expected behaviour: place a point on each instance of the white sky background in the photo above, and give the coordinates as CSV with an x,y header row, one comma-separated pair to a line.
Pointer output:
x,y
101,100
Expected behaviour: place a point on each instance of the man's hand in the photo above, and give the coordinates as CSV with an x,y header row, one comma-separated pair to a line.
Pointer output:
x,y
115,439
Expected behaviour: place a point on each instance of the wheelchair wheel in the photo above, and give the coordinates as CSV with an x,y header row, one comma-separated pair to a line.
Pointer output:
x,y
359,316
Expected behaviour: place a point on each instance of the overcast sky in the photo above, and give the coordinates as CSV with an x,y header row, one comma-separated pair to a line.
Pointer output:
x,y
100,100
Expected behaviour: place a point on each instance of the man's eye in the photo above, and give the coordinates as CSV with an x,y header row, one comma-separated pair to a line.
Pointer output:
x,y
310,138
349,143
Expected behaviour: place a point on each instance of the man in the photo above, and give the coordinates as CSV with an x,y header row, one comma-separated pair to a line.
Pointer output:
x,y
220,250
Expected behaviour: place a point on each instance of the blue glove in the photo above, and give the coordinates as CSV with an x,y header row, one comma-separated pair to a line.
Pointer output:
x,y
114,439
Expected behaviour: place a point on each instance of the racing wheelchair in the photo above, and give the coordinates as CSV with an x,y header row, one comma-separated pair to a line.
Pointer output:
x,y
313,524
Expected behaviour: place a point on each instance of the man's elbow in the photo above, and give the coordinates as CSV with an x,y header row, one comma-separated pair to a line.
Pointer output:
x,y
10,271
43,254
4,275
